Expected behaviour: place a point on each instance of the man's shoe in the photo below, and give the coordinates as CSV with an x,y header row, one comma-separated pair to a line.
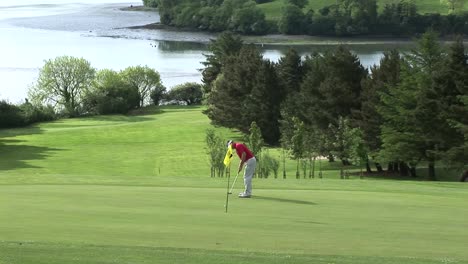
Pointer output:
x,y
244,195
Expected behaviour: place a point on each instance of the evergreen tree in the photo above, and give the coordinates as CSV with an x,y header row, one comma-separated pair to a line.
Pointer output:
x,y
410,128
451,87
227,44
382,77
290,72
247,91
332,87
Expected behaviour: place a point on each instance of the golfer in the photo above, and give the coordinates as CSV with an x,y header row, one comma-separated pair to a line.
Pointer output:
x,y
248,159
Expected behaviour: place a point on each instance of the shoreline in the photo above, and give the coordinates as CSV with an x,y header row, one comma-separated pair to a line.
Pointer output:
x,y
291,40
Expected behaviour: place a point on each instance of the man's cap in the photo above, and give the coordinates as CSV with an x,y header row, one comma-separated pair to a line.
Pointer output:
x,y
229,142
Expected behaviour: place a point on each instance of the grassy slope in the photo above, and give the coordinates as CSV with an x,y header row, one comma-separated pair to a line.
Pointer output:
x,y
273,9
87,191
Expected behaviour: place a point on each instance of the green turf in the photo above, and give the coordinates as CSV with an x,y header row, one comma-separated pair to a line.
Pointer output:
x,y
354,224
136,189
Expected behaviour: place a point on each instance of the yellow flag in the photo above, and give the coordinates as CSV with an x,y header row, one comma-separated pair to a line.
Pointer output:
x,y
228,157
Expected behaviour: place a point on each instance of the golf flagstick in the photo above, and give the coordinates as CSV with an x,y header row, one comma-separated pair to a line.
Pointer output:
x,y
227,193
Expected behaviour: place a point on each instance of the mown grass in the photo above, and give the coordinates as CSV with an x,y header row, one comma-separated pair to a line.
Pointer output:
x,y
273,9
137,189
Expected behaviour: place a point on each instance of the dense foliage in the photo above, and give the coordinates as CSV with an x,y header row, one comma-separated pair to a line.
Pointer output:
x,y
187,93
23,115
341,18
408,110
70,87
242,16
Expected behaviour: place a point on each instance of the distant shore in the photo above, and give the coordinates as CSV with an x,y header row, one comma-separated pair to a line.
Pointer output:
x,y
292,40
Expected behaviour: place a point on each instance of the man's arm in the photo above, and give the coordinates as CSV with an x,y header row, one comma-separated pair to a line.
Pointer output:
x,y
242,160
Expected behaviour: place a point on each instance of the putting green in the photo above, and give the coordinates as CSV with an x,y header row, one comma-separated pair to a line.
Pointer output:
x,y
302,224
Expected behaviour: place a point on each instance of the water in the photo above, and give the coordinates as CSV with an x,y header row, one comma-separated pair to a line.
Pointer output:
x,y
97,31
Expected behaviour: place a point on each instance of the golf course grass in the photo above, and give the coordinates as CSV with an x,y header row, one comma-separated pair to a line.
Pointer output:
x,y
137,189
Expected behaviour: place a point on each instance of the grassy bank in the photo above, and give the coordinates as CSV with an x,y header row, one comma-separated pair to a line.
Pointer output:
x,y
137,189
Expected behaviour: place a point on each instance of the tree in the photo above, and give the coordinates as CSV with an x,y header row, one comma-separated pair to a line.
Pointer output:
x,y
158,94
10,115
227,44
331,87
249,19
348,143
110,94
410,128
246,91
256,144
216,150
382,78
144,79
451,89
290,72
292,20
150,3
62,83
297,146
190,93
255,139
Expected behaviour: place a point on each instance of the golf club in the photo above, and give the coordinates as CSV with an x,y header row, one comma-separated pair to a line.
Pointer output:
x,y
234,183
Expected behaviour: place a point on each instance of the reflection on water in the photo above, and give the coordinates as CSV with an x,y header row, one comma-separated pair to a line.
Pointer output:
x,y
172,46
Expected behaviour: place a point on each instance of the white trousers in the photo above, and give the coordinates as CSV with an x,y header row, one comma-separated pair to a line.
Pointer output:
x,y
248,174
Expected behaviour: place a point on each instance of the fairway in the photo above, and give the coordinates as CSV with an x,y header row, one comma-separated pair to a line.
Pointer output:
x,y
137,189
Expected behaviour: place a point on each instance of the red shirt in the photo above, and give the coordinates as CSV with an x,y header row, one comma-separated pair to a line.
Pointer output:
x,y
241,148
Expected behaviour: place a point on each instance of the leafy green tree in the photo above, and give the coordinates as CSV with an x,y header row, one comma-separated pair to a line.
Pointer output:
x,y
62,82
158,94
255,139
296,145
256,145
249,19
190,93
144,79
216,151
110,94
348,144
150,3
10,115
292,20
166,10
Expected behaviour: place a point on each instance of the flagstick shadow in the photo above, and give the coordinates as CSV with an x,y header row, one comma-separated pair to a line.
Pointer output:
x,y
275,199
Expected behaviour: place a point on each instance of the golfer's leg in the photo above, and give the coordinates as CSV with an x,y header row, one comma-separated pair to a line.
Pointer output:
x,y
248,174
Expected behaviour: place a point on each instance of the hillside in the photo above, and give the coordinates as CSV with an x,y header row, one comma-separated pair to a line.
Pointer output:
x,y
273,9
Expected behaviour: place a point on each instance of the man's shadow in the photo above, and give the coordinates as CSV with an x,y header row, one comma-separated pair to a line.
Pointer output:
x,y
283,200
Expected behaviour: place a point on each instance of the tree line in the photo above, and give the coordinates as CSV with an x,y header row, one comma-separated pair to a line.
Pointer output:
x,y
71,87
411,109
342,18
